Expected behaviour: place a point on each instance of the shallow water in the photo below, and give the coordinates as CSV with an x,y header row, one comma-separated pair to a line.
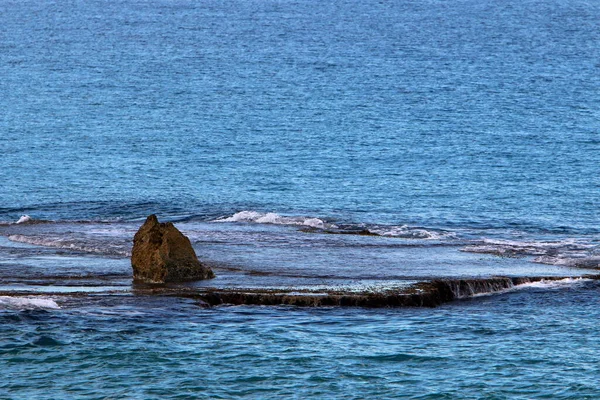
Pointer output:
x,y
95,256
301,145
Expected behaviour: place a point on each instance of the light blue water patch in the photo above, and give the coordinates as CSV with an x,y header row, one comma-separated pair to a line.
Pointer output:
x,y
267,254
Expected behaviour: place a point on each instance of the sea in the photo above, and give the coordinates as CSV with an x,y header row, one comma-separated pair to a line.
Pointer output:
x,y
356,146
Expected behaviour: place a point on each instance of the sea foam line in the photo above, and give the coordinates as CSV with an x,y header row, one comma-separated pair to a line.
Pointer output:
x,y
409,232
275,219
554,284
70,245
396,231
495,286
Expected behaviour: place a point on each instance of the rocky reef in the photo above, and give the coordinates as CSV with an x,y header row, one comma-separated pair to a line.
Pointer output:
x,y
424,294
161,254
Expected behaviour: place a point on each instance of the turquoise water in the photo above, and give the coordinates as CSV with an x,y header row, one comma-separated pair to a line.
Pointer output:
x,y
465,134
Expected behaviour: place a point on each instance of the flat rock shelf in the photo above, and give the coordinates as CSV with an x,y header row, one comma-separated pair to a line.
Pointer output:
x,y
431,293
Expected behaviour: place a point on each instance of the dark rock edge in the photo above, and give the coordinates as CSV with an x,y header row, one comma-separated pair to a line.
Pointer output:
x,y
424,294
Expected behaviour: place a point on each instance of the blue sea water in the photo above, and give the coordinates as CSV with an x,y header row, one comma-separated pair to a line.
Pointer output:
x,y
466,134
488,348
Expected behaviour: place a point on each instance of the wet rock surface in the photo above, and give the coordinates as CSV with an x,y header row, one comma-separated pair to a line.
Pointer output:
x,y
161,254
424,294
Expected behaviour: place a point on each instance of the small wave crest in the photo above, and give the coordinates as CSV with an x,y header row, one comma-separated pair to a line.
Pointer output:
x,y
24,219
276,219
408,232
28,220
313,224
27,303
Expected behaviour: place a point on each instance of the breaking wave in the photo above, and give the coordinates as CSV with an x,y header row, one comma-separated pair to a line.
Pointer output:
x,y
313,224
276,219
24,219
26,303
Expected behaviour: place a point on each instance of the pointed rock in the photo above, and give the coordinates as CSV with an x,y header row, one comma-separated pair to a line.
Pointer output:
x,y
161,253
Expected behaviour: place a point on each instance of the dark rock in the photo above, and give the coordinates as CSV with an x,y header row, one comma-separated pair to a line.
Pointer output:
x,y
370,300
161,253
424,294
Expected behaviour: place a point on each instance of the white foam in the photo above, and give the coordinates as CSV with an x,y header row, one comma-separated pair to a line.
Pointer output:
x,y
276,219
24,219
568,252
30,240
527,244
548,284
573,260
61,243
27,303
554,284
407,232
403,231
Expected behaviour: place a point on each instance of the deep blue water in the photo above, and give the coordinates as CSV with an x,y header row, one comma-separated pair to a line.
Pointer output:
x,y
499,347
429,112
460,131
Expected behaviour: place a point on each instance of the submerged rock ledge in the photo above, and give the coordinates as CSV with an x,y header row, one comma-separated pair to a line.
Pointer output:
x,y
425,294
